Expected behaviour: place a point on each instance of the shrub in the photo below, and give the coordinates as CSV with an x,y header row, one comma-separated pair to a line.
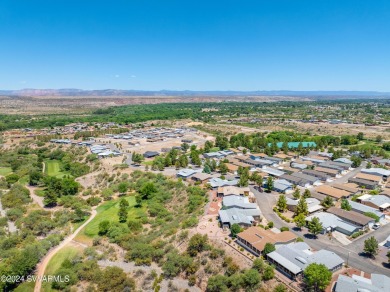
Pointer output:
x,y
357,234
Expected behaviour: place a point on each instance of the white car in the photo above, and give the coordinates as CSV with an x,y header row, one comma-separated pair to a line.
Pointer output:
x,y
376,226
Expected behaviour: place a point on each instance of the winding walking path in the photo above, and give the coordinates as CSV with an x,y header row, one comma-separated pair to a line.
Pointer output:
x,y
46,259
37,199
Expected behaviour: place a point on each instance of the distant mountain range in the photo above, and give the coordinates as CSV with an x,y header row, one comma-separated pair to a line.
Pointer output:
x,y
190,93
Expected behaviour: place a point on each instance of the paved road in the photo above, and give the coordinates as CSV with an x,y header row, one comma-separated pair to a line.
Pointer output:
x,y
345,178
267,200
46,259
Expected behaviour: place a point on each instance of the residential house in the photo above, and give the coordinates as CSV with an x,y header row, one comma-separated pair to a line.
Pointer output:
x,y
371,185
298,165
311,179
232,191
370,177
356,283
292,259
313,205
318,174
331,222
344,160
237,202
347,188
273,171
254,239
217,182
384,173
330,191
353,217
328,171
201,177
185,173
296,180
380,202
242,217
364,209
283,186
150,154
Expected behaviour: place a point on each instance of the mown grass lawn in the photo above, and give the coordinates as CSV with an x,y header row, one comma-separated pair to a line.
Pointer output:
x,y
68,252
53,168
5,171
40,192
107,211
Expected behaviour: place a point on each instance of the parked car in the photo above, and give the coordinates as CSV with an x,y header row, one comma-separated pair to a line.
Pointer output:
x,y
376,226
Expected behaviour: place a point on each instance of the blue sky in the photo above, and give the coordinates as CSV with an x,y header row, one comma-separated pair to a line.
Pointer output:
x,y
195,45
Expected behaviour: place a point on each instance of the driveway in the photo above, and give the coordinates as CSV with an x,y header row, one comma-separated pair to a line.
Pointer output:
x,y
266,201
346,177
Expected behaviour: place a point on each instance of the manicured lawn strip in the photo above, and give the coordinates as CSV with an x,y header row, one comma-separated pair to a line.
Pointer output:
x,y
5,171
107,211
53,168
68,252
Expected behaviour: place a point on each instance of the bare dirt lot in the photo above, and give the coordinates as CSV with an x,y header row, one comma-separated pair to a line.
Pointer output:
x,y
79,104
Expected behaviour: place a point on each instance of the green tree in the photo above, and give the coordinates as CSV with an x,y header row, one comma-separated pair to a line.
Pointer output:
x,y
11,178
356,161
217,283
123,210
302,207
223,168
258,265
122,187
197,244
104,226
270,184
222,142
236,282
296,194
185,147
114,279
280,288
317,277
235,229
285,147
360,136
207,169
251,279
269,273
138,200
371,246
327,202
268,248
281,204
315,226
306,194
147,190
207,146
35,177
345,205
300,220
50,198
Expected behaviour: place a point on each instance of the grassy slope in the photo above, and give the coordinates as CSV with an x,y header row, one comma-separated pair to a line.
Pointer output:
x,y
53,168
107,211
5,171
67,252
